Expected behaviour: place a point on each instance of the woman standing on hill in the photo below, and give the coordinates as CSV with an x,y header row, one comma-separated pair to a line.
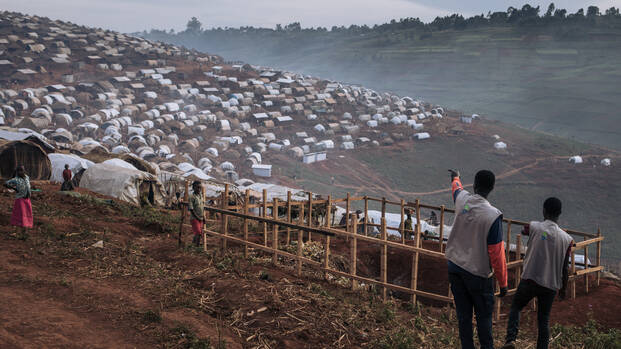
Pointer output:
x,y
22,208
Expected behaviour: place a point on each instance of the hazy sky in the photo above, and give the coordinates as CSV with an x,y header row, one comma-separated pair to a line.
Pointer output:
x,y
136,15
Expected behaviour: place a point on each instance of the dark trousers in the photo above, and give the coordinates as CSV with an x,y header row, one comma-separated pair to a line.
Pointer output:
x,y
526,291
473,292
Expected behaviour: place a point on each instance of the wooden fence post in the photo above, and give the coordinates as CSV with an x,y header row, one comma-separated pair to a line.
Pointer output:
x,y
288,241
518,256
300,240
328,212
204,234
275,232
264,214
225,218
184,209
402,225
441,239
384,261
508,247
573,273
353,257
383,208
347,214
326,260
598,254
415,257
310,214
586,266
246,202
366,214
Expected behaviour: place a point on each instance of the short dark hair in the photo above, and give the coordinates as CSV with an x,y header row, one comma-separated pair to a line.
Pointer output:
x,y
552,207
195,183
484,182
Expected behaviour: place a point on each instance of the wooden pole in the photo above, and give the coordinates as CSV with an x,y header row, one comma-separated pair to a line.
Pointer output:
x,y
402,226
518,254
204,233
353,257
329,212
289,217
508,247
347,215
264,214
384,261
225,218
598,254
326,257
326,260
300,241
275,232
414,276
418,242
310,214
573,273
586,266
246,200
441,239
184,209
383,208
366,215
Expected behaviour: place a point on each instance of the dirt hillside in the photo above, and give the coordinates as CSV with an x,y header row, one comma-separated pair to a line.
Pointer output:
x,y
142,291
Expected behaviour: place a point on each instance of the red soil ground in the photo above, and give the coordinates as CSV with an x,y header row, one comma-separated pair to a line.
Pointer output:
x,y
58,291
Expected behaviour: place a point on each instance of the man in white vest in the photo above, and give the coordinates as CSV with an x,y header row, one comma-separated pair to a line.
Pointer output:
x,y
474,247
545,272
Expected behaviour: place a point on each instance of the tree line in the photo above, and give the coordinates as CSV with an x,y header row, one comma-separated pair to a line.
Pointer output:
x,y
525,17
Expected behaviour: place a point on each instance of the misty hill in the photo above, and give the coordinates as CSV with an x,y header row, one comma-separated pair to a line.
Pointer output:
x,y
552,72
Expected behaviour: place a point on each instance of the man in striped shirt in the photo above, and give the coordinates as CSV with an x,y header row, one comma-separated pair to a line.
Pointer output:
x,y
474,247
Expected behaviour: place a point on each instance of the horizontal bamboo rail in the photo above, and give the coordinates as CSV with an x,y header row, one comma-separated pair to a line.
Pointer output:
x,y
221,209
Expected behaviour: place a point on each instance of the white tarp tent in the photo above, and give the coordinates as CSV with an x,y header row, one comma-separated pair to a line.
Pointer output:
x,y
121,183
76,164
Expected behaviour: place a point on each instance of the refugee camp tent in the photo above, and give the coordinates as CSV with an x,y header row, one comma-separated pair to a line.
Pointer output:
x,y
576,159
138,163
120,163
500,145
123,183
76,164
25,153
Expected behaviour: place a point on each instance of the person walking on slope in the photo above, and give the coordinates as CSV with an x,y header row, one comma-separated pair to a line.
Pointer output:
x,y
474,247
67,183
22,207
545,272
197,210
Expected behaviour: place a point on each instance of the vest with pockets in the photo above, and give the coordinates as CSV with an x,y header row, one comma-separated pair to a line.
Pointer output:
x,y
547,246
467,244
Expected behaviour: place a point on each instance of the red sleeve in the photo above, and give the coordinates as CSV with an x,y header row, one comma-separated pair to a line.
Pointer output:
x,y
456,187
499,263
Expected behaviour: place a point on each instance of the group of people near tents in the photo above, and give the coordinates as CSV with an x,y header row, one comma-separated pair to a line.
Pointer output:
x,y
475,251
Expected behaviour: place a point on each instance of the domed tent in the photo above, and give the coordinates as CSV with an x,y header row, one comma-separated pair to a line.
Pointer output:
x,y
140,164
123,183
27,154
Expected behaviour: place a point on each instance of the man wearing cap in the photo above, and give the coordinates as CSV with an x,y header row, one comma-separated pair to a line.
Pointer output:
x,y
545,272
474,248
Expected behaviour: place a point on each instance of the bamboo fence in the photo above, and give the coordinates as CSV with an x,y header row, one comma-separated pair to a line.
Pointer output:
x,y
282,229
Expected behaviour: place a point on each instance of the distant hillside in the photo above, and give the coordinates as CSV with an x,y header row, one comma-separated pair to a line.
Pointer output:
x,y
550,72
